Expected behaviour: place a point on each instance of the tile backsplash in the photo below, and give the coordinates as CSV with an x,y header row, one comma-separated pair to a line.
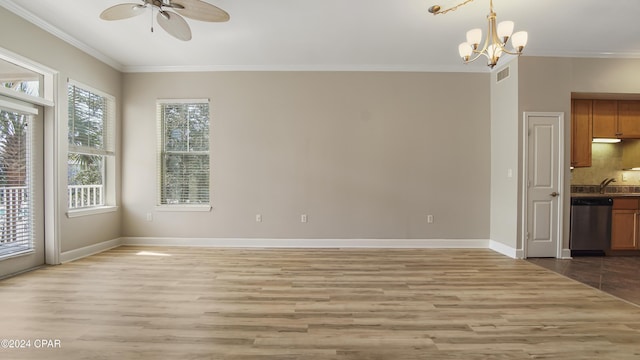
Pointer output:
x,y
606,162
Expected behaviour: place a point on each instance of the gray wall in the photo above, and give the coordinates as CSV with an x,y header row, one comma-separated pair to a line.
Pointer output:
x,y
365,155
33,43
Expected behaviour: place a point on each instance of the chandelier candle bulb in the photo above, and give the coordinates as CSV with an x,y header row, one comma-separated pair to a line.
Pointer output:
x,y
474,36
494,51
465,51
505,29
519,40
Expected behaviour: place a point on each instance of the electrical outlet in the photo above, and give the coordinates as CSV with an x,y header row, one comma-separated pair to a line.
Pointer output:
x,y
149,217
303,218
429,219
258,218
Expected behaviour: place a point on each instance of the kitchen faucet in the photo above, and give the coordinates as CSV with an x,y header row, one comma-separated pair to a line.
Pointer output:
x,y
604,184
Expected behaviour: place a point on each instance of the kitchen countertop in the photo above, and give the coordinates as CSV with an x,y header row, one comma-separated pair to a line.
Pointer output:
x,y
606,195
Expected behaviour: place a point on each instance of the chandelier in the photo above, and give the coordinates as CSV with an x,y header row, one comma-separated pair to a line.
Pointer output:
x,y
495,41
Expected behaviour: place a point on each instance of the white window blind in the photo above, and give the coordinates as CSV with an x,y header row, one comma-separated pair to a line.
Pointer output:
x,y
183,152
16,188
91,144
91,120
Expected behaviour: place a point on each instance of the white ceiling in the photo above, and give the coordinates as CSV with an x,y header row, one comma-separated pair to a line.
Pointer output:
x,y
393,35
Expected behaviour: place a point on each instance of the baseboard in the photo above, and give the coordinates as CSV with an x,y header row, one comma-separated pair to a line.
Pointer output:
x,y
76,254
506,250
518,253
309,243
89,250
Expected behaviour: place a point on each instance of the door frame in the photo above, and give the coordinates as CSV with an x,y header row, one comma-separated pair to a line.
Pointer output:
x,y
33,257
51,183
559,116
53,132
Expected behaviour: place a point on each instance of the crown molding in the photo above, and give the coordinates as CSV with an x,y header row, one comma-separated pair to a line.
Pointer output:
x,y
311,68
23,13
586,54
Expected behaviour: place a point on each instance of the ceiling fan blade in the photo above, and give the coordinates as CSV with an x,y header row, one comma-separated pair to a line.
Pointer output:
x,y
122,11
200,10
174,24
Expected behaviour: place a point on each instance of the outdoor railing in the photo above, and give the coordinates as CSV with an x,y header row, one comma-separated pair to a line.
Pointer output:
x,y
14,217
84,195
14,211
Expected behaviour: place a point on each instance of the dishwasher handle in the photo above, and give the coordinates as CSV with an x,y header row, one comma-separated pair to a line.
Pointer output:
x,y
590,201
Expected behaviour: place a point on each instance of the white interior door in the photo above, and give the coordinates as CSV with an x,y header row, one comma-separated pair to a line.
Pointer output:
x,y
544,179
21,187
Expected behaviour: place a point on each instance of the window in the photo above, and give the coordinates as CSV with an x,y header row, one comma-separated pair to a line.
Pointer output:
x,y
24,80
183,152
91,146
17,78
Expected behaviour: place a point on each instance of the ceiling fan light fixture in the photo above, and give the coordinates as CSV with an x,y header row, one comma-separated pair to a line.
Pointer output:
x,y
170,21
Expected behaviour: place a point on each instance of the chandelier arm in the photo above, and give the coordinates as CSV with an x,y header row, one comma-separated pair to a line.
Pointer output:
x,y
485,45
496,44
477,55
494,35
509,52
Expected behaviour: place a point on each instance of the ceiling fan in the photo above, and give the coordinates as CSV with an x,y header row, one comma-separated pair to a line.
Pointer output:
x,y
170,21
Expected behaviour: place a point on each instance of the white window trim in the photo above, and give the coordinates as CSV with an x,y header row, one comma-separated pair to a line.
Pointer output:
x,y
25,97
74,213
183,208
47,99
20,107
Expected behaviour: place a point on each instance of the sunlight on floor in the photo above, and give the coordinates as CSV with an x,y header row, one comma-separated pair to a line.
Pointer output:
x,y
151,253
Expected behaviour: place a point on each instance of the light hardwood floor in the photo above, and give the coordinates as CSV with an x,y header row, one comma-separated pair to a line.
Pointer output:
x,y
202,303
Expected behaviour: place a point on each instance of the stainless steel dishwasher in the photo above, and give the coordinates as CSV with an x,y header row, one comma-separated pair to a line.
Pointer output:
x,y
590,225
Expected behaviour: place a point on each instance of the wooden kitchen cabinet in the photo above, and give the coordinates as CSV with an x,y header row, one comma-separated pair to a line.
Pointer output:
x,y
581,132
605,119
629,119
625,218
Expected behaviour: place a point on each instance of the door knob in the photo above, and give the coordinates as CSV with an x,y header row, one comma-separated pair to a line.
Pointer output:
x,y
554,194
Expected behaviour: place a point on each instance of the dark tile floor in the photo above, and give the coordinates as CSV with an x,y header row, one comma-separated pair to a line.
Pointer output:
x,y
616,275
